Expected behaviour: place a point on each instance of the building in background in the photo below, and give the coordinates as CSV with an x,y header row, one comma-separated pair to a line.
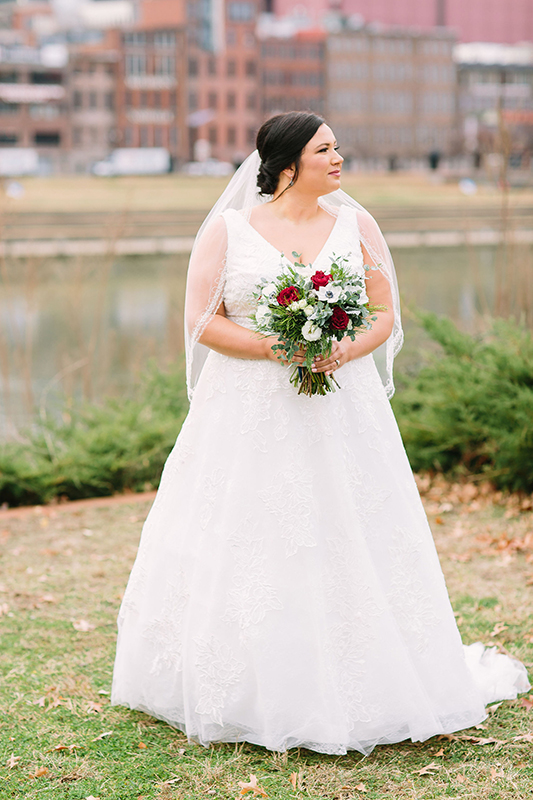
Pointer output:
x,y
91,96
292,73
495,95
223,85
391,92
151,87
507,21
33,101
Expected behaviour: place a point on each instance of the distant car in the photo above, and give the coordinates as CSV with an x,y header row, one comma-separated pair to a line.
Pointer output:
x,y
211,168
134,161
15,161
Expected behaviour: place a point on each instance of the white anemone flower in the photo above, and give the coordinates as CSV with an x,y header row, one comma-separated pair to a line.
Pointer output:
x,y
311,332
329,293
269,291
308,310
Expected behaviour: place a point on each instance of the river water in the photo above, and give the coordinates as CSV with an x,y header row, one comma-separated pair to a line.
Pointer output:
x,y
87,327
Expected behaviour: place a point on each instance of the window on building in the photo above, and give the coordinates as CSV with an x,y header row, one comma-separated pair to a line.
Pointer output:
x,y
8,108
93,135
93,100
172,99
77,99
231,101
9,77
251,102
250,137
212,99
158,137
232,136
143,136
47,138
128,137
109,99
240,11
165,65
193,67
157,99
46,77
109,69
231,67
212,135
231,37
193,101
77,135
143,100
251,68
128,99
135,64
134,38
173,138
211,66
7,138
164,39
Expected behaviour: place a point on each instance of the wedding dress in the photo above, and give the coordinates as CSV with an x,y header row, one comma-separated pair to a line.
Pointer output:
x,y
287,591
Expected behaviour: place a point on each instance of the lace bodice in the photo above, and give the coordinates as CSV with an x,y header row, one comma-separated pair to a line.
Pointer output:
x,y
250,257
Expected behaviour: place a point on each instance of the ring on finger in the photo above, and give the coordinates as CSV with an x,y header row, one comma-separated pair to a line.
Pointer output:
x,y
337,362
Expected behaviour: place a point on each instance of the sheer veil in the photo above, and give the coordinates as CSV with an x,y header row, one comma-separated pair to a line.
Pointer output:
x,y
207,266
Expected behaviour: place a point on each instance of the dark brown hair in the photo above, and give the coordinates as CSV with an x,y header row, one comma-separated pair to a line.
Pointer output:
x,y
280,142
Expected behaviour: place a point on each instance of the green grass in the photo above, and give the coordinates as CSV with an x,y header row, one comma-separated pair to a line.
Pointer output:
x,y
69,563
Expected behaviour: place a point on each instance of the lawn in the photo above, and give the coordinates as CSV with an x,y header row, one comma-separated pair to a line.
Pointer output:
x,y
85,193
64,569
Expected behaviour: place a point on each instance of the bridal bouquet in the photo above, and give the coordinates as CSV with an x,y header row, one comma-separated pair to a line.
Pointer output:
x,y
306,309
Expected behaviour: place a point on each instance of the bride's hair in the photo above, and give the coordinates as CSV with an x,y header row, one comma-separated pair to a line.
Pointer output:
x,y
280,142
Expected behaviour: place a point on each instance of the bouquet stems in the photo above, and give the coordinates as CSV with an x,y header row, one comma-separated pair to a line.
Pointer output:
x,y
311,383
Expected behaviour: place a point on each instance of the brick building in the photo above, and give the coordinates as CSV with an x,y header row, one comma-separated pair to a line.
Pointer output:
x,y
151,89
91,96
223,85
293,73
391,92
33,102
473,21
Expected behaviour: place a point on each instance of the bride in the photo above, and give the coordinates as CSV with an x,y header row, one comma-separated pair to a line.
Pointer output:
x,y
287,591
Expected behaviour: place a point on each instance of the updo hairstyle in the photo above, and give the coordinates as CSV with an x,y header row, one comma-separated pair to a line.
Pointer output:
x,y
280,142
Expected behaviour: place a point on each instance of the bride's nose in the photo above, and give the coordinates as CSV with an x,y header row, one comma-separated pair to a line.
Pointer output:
x,y
338,159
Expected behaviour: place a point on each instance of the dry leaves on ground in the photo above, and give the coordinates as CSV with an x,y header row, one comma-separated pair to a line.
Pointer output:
x,y
252,786
83,625
429,769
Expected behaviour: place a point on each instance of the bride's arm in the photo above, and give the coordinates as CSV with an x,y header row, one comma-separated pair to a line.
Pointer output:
x,y
205,276
379,293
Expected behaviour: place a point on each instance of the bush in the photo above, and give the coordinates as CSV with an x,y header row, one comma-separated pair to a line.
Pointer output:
x,y
471,409
120,445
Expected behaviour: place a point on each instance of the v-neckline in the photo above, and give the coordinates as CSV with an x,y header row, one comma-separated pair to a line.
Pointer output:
x,y
282,255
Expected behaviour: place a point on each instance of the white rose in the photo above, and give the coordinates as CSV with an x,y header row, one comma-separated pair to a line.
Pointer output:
x,y
308,310
329,293
305,272
302,303
311,332
294,306
262,313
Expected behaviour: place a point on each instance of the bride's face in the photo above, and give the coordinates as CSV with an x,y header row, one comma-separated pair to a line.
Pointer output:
x,y
320,163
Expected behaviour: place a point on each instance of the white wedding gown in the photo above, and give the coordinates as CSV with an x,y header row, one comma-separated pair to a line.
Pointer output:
x,y
287,590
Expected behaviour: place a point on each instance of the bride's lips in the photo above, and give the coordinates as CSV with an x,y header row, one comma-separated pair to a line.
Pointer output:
x,y
335,172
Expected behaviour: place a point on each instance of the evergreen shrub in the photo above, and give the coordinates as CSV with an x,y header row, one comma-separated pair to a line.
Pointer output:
x,y
470,409
99,449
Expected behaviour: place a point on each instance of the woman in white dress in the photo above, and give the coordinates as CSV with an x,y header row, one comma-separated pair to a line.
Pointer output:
x,y
287,591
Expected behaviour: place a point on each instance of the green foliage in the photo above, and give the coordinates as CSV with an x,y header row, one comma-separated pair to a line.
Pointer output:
x,y
120,445
471,409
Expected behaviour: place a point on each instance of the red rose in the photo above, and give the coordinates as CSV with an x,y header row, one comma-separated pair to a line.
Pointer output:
x,y
288,296
319,279
339,319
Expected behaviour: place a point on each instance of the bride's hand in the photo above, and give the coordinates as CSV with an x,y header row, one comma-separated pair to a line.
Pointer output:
x,y
279,355
340,355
